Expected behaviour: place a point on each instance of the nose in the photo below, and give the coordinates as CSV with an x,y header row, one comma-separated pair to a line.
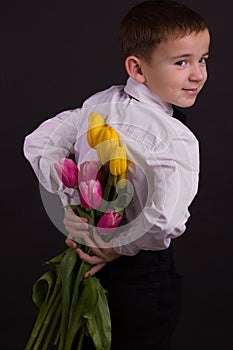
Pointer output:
x,y
198,73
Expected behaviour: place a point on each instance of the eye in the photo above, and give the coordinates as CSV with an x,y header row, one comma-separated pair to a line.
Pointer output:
x,y
203,60
181,63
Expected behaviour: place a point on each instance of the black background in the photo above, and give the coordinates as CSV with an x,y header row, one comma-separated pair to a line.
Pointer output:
x,y
52,58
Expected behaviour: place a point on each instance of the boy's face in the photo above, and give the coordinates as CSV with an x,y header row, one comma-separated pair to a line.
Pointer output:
x,y
177,70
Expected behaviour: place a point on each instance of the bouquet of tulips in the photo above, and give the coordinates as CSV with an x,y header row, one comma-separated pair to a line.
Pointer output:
x,y
71,306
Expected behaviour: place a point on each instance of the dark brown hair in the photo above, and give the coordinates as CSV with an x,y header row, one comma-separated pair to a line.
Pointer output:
x,y
150,22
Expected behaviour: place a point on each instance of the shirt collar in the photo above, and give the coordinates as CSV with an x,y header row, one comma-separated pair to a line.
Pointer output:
x,y
143,94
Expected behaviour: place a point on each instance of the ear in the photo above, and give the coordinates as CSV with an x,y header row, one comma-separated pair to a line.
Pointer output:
x,y
133,66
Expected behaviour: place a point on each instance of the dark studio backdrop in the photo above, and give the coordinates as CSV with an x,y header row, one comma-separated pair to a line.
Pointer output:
x,y
52,58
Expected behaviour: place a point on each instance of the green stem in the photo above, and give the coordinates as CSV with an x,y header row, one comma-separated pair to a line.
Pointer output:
x,y
36,328
92,215
47,321
41,316
57,336
81,338
108,186
67,276
91,222
84,267
52,328
115,195
75,312
82,213
107,190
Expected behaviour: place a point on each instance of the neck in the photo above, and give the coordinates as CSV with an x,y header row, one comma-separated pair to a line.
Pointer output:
x,y
145,95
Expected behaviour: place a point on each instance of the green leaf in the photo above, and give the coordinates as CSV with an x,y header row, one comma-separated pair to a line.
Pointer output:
x,y
54,324
42,288
78,285
46,322
67,277
48,298
91,296
56,260
99,322
82,212
83,305
79,306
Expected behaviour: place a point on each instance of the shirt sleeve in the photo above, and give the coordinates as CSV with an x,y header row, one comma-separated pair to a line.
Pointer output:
x,y
172,173
50,142
171,165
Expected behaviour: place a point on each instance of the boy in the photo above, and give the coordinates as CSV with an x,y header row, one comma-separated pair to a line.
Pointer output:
x,y
166,46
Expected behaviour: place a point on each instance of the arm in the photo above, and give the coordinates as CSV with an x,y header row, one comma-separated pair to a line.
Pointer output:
x,y
172,169
52,140
172,172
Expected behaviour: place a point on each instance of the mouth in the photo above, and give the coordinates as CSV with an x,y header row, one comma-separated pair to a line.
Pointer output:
x,y
191,91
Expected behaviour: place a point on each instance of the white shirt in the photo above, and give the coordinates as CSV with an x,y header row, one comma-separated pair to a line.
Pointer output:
x,y
163,172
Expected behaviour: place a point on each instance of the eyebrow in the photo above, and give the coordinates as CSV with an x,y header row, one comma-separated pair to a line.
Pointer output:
x,y
187,55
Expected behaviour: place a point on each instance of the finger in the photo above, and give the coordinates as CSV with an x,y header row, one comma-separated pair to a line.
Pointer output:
x,y
87,240
99,241
104,252
72,240
94,269
69,214
70,243
75,224
94,248
90,259
81,237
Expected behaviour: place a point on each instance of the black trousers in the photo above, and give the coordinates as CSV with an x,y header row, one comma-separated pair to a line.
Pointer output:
x,y
144,295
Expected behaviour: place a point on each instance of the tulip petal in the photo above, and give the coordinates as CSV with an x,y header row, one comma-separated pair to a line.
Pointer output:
x,y
88,171
90,194
68,172
109,222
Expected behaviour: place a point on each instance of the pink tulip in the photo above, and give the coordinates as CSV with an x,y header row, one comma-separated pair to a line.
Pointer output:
x,y
109,222
90,194
68,172
88,171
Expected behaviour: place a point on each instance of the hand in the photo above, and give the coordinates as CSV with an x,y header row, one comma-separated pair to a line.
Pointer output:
x,y
75,226
78,228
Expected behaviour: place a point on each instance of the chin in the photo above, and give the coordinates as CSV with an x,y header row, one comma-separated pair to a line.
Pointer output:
x,y
185,104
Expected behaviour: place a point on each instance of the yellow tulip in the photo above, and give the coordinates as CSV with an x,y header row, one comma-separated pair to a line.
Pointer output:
x,y
118,161
96,124
122,182
109,133
108,142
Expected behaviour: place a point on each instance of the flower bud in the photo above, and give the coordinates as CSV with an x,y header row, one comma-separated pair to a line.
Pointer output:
x,y
88,171
68,172
118,161
109,141
90,194
122,181
95,125
109,222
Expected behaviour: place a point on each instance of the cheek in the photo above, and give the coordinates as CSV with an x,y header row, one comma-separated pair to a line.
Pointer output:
x,y
175,85
206,76
175,79
169,81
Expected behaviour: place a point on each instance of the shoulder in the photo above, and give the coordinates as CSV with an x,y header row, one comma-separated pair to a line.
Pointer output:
x,y
115,93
